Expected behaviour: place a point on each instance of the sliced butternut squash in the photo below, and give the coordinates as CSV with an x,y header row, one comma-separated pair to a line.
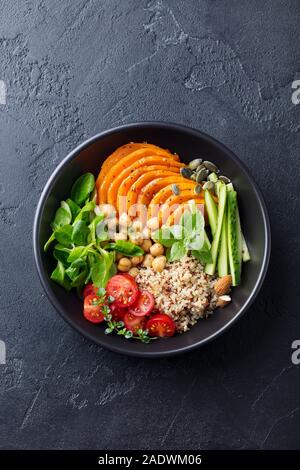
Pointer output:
x,y
112,190
173,202
175,217
133,184
151,188
166,193
127,163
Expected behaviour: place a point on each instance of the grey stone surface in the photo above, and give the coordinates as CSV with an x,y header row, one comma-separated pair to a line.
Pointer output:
x,y
73,68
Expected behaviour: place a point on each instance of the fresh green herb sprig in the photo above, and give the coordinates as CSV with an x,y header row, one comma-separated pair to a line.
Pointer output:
x,y
188,236
119,328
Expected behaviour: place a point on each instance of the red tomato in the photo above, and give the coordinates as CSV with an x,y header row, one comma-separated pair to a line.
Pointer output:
x,y
161,325
143,305
92,309
133,323
90,289
123,289
117,313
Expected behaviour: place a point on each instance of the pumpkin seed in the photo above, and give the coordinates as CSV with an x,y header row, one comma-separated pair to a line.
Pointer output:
x,y
175,189
210,166
186,172
194,176
209,185
198,189
199,168
224,179
195,163
201,175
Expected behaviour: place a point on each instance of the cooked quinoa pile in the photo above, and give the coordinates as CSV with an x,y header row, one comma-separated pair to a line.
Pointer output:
x,y
182,290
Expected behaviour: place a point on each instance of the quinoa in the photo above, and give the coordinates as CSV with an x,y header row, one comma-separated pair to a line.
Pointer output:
x,y
182,290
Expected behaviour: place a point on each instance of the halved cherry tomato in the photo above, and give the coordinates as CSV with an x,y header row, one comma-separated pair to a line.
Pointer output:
x,y
123,289
92,309
143,305
117,313
134,323
90,289
161,325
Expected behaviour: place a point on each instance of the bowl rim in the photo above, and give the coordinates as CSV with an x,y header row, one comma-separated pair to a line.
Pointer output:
x,y
44,279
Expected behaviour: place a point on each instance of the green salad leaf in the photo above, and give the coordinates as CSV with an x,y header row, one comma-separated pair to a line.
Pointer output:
x,y
82,188
126,248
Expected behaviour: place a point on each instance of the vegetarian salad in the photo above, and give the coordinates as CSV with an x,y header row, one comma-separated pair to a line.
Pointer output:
x,y
152,245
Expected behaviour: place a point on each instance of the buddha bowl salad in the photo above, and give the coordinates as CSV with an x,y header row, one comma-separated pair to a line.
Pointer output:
x,y
152,246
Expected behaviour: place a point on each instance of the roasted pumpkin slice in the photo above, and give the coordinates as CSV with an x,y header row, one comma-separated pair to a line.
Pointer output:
x,y
168,192
112,191
175,217
127,163
133,184
173,202
120,153
150,189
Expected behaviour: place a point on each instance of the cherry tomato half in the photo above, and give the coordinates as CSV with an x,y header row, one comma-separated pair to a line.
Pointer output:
x,y
117,313
123,289
92,309
89,290
161,325
143,305
134,323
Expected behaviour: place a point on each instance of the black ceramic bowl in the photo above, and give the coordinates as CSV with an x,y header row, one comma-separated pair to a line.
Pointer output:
x,y
188,143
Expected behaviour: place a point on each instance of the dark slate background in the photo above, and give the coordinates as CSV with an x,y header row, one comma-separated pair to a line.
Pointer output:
x,y
74,68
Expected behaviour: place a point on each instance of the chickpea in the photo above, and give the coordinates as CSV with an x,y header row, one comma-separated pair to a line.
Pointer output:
x,y
146,233
124,265
157,249
119,236
136,238
147,263
119,256
135,260
153,223
146,245
159,263
107,210
133,272
137,226
125,220
112,223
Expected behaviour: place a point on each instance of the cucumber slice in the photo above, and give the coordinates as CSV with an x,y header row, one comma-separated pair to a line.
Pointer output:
x,y
213,177
223,253
212,211
211,267
245,251
206,241
234,238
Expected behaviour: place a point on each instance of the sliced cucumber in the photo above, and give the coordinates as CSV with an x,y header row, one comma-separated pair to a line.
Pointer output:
x,y
212,211
234,238
211,267
245,251
206,241
223,253
213,177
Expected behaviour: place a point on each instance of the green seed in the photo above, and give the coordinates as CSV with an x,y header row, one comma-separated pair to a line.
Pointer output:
x,y
195,163
209,186
198,189
210,166
201,175
186,172
224,179
175,189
